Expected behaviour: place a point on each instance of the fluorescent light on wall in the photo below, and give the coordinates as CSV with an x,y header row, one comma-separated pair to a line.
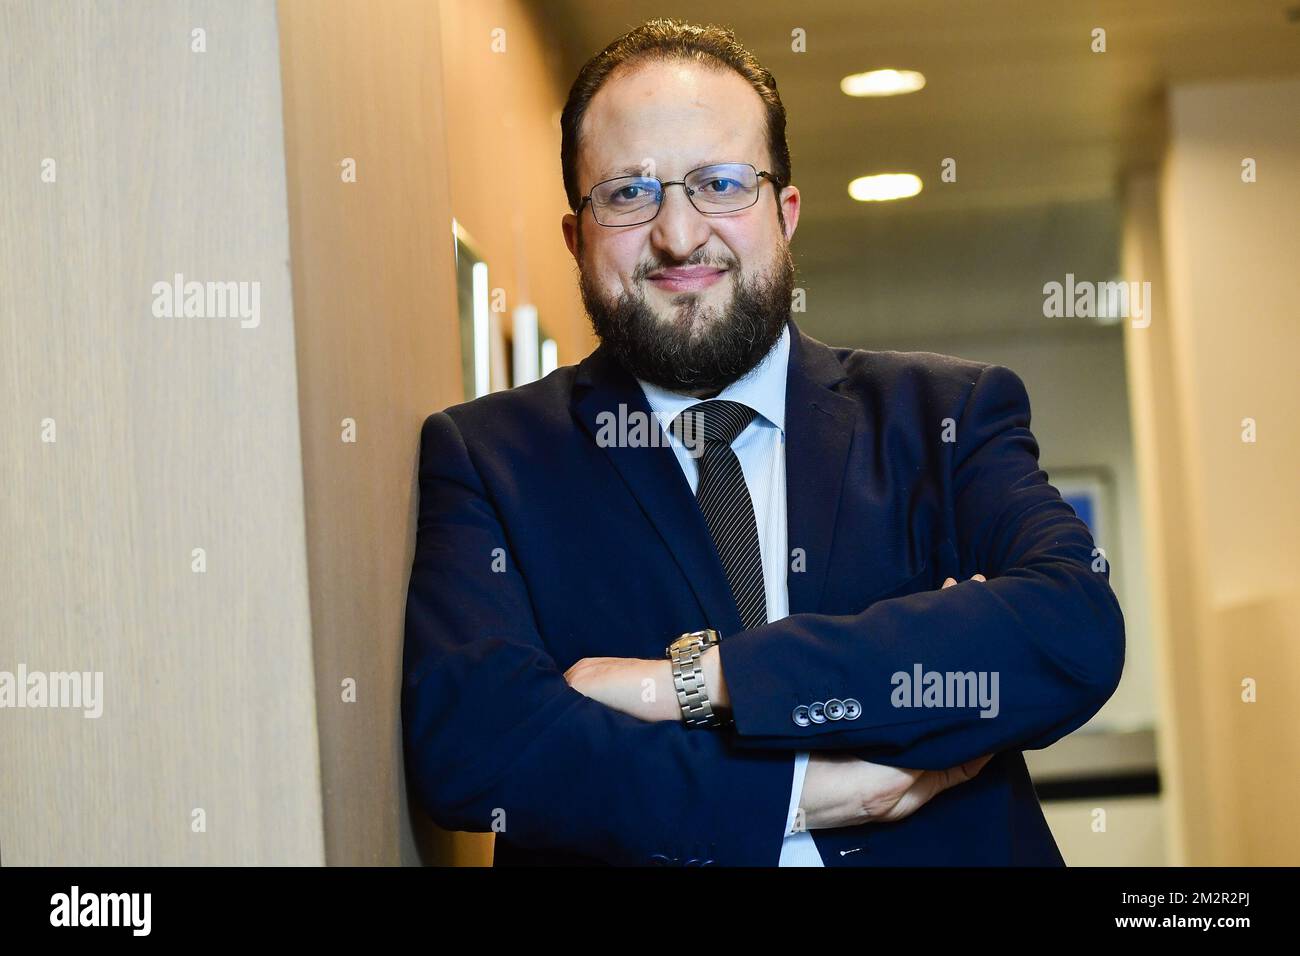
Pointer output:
x,y
882,83
550,357
884,187
482,357
525,344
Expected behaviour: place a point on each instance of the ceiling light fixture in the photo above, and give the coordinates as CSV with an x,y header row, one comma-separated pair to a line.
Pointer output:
x,y
884,186
882,83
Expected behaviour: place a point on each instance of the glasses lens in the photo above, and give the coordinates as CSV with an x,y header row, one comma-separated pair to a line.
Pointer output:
x,y
723,187
621,202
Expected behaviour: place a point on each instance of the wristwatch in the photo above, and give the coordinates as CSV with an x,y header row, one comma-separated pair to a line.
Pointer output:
x,y
688,677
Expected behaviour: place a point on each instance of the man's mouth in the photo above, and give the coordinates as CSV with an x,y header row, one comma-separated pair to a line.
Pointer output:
x,y
690,279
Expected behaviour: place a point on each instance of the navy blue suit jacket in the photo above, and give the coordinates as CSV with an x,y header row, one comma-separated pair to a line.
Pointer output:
x,y
536,547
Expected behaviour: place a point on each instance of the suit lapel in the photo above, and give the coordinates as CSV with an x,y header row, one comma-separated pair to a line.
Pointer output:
x,y
819,430
818,433
655,479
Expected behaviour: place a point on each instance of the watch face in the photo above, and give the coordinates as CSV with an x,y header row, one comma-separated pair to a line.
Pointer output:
x,y
682,644
702,639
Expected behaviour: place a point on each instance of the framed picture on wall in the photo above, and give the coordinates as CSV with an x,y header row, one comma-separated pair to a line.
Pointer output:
x,y
494,357
472,306
1090,492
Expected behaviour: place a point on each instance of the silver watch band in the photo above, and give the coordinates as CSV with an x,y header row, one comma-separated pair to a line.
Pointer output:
x,y
688,677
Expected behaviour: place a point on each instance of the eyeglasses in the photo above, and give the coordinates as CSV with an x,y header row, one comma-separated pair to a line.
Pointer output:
x,y
712,190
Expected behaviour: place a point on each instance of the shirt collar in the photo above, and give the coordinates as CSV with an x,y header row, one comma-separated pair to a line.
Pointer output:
x,y
762,388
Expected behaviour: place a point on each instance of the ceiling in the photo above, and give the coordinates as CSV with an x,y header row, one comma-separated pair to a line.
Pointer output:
x,y
1042,129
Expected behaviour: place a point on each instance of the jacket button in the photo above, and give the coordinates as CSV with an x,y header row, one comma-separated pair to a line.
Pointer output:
x,y
659,860
817,713
800,715
852,709
834,709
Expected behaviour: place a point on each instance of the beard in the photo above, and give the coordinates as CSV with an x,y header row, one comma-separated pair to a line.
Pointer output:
x,y
698,348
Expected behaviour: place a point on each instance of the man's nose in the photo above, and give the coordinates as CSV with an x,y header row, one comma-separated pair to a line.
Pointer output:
x,y
679,229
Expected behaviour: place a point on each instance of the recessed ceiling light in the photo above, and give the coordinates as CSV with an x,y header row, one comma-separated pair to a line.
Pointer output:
x,y
884,186
882,83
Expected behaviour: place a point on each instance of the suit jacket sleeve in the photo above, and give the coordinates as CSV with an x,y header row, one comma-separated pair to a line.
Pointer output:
x,y
1046,622
497,740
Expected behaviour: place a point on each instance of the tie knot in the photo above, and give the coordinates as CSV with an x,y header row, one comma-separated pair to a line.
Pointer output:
x,y
714,421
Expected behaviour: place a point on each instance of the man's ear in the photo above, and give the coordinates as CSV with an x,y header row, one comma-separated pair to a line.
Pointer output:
x,y
789,201
569,226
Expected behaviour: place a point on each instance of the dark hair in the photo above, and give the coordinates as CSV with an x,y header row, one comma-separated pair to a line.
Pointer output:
x,y
663,40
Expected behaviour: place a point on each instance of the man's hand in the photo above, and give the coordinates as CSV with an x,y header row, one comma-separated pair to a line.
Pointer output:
x,y
841,790
641,688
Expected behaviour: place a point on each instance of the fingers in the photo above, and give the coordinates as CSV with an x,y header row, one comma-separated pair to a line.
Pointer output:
x,y
959,774
971,767
949,582
930,783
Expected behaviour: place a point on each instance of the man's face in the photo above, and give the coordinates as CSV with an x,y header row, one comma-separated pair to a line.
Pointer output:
x,y
687,301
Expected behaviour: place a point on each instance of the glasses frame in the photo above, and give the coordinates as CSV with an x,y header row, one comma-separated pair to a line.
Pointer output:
x,y
759,174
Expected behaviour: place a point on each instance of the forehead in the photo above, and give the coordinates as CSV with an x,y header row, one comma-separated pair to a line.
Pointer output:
x,y
672,117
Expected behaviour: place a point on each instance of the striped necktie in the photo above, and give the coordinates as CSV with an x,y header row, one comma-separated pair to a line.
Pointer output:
x,y
724,500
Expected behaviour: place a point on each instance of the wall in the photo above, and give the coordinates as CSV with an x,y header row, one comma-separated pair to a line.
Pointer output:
x,y
265,690
374,295
504,94
171,434
1222,513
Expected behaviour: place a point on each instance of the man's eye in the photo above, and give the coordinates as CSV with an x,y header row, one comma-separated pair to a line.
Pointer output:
x,y
721,186
629,194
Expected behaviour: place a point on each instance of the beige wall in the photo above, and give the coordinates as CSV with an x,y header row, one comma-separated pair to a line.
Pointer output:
x,y
1222,513
1134,834
374,287
225,690
503,124
172,434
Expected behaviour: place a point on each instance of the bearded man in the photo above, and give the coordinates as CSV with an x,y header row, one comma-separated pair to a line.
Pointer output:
x,y
688,651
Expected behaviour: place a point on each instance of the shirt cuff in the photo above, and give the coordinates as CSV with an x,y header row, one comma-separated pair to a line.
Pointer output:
x,y
796,791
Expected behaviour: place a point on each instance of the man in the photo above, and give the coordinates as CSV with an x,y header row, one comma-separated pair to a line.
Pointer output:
x,y
695,599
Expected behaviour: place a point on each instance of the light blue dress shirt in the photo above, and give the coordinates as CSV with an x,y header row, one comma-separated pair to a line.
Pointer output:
x,y
761,450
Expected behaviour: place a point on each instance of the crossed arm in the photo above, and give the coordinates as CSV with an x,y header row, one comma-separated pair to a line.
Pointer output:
x,y
621,682
837,790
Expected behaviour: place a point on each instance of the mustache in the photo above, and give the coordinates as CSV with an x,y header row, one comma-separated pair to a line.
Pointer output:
x,y
643,271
